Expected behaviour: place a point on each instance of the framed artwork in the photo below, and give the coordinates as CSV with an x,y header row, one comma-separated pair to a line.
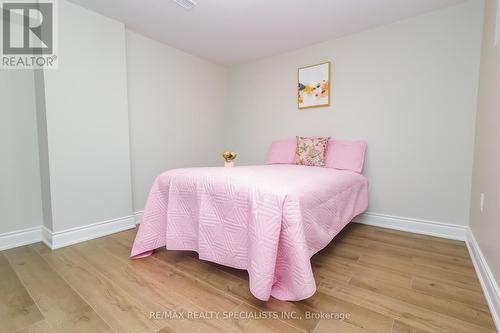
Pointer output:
x,y
313,88
497,25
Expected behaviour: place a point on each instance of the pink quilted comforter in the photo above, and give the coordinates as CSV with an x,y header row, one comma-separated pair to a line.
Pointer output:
x,y
267,219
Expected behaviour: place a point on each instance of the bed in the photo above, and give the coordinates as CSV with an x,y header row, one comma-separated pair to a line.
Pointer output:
x,y
266,219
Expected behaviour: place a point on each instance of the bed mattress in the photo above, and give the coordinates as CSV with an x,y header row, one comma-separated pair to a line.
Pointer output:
x,y
266,219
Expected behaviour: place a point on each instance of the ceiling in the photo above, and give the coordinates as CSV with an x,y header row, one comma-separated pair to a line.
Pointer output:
x,y
231,32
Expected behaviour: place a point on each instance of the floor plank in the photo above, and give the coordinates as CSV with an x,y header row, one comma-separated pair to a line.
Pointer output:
x,y
400,327
158,286
39,327
384,280
417,270
329,326
409,314
121,312
63,309
434,303
445,291
17,308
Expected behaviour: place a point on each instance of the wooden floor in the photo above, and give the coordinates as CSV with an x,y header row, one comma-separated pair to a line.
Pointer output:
x,y
385,280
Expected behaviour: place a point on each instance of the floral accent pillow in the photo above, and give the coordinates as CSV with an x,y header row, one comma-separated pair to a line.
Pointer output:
x,y
311,151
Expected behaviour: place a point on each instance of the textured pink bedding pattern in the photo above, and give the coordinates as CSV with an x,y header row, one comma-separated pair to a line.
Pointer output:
x,y
267,219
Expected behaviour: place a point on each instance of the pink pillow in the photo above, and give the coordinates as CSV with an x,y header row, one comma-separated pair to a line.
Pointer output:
x,y
346,155
282,152
311,151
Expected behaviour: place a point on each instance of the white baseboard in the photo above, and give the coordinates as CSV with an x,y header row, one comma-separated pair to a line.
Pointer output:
x,y
431,228
47,236
138,216
22,237
488,282
58,239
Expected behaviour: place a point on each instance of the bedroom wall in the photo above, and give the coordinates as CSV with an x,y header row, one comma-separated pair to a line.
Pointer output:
x,y
43,148
20,196
485,224
408,88
176,106
87,121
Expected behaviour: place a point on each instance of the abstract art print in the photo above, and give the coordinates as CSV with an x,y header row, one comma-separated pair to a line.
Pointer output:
x,y
314,86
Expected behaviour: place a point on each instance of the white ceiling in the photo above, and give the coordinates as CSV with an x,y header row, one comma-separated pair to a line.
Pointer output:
x,y
230,32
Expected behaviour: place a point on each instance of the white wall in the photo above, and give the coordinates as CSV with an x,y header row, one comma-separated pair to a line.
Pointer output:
x,y
485,225
43,148
176,106
87,121
20,198
408,88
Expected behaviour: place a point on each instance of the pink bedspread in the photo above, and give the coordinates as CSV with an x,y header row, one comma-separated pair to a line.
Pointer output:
x,y
267,219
